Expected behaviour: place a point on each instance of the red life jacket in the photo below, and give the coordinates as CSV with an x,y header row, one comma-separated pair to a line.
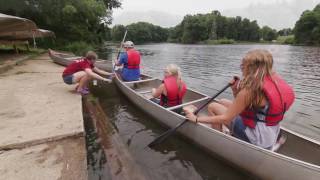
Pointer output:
x,y
174,96
133,59
280,97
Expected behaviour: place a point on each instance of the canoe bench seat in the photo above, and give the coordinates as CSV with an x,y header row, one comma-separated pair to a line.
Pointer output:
x,y
142,85
140,81
187,103
146,93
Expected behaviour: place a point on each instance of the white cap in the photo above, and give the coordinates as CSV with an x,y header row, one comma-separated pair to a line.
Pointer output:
x,y
128,44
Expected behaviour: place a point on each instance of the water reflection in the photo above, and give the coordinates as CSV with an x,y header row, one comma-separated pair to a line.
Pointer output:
x,y
96,160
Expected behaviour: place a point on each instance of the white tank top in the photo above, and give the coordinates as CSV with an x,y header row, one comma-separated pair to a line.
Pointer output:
x,y
262,135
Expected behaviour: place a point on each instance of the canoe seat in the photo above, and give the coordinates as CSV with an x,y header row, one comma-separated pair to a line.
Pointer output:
x,y
144,92
187,103
140,81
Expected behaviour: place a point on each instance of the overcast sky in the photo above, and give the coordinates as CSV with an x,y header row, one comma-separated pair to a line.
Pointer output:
x,y
183,7
267,12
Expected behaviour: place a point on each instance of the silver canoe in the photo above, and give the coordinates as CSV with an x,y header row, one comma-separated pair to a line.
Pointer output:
x,y
298,158
65,59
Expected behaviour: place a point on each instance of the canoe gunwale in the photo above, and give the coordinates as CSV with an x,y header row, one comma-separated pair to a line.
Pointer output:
x,y
268,152
72,57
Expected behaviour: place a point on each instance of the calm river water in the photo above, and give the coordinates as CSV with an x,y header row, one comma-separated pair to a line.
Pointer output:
x,y
207,68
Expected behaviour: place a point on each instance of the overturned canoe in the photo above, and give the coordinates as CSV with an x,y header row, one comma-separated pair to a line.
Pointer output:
x,y
298,158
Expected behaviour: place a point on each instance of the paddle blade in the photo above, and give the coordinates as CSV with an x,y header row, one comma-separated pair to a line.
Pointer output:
x,y
161,138
166,134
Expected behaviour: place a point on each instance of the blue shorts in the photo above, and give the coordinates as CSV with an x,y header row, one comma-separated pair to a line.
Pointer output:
x,y
238,129
68,79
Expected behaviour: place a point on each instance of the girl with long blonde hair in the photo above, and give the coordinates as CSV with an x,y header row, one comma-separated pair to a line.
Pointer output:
x,y
261,99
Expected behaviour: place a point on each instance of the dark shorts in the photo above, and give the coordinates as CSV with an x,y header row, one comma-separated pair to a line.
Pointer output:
x,y
157,101
68,79
238,129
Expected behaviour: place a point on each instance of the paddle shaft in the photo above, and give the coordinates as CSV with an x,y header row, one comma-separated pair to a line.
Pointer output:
x,y
124,37
216,95
166,134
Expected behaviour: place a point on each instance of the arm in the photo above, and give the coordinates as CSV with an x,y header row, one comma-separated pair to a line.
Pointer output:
x,y
235,81
157,92
117,62
99,71
238,105
95,75
121,59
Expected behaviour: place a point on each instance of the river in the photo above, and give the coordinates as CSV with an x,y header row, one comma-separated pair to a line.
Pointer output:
x,y
207,68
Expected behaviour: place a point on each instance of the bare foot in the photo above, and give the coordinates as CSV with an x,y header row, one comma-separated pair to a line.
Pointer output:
x,y
279,142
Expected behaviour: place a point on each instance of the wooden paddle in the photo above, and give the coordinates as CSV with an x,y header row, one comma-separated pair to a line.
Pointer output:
x,y
170,132
124,38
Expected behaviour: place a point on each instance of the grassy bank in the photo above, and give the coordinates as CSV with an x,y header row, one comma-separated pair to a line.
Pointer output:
x,y
286,39
220,41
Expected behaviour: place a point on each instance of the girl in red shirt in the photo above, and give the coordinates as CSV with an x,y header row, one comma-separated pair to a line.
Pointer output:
x,y
82,70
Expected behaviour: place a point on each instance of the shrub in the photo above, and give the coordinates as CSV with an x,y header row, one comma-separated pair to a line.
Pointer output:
x,y
289,40
285,39
78,48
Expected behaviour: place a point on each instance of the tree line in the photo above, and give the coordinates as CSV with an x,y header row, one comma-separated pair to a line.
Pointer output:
x,y
199,28
140,32
213,26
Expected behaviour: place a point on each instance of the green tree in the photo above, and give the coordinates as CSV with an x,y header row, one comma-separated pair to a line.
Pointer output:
x,y
117,32
71,20
214,26
194,29
285,32
268,34
307,28
254,30
175,33
140,32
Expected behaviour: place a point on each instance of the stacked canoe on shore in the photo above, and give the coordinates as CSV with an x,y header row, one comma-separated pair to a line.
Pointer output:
x,y
298,158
